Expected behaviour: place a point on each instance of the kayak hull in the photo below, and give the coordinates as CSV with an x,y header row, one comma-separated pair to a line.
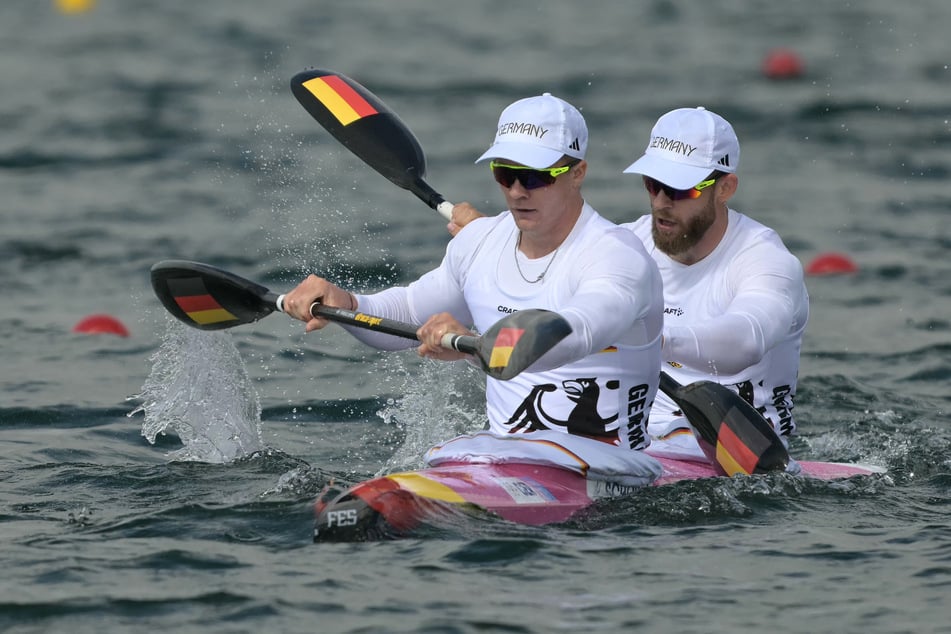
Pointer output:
x,y
394,505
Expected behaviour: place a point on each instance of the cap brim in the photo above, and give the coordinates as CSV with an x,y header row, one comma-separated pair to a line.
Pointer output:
x,y
676,175
528,155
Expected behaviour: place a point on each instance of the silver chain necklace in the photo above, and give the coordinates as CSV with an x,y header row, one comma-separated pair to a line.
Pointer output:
x,y
519,268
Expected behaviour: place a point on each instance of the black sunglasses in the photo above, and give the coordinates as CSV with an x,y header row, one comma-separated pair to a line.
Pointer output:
x,y
530,178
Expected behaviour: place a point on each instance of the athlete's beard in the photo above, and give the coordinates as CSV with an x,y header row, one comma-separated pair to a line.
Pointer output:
x,y
696,227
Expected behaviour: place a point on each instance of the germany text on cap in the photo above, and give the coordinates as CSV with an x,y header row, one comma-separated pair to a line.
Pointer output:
x,y
686,145
538,131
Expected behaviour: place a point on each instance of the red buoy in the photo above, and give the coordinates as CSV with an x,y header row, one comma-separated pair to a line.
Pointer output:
x,y
101,325
831,264
782,63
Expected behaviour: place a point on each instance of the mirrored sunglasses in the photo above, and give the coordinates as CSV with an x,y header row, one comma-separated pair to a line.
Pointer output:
x,y
654,187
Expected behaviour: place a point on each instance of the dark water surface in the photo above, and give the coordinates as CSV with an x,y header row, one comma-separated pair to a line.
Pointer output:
x,y
143,130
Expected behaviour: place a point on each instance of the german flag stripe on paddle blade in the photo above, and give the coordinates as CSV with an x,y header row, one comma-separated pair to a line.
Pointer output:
x,y
734,455
339,98
504,346
193,298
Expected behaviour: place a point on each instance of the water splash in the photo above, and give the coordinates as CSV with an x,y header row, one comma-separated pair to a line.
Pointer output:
x,y
439,401
199,389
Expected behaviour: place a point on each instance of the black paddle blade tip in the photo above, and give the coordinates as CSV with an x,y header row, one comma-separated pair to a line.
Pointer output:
x,y
732,434
208,298
365,125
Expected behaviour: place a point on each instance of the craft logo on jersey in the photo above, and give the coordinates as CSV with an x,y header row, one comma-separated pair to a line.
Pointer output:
x,y
343,102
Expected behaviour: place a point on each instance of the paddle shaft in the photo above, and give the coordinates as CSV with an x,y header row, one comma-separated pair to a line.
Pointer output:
x,y
431,197
208,298
422,190
668,385
468,344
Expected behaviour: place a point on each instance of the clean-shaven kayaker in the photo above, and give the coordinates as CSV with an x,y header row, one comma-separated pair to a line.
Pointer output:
x,y
548,250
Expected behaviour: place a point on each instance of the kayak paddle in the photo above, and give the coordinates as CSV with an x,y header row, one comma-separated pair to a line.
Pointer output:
x,y
208,298
365,125
732,434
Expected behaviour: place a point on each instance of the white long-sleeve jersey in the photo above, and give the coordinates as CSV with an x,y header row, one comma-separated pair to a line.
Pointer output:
x,y
602,379
736,317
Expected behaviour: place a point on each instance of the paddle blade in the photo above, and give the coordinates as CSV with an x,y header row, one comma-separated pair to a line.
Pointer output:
x,y
208,298
364,124
732,434
519,340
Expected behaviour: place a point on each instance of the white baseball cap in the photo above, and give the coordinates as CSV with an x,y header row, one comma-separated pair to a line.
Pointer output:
x,y
686,145
538,131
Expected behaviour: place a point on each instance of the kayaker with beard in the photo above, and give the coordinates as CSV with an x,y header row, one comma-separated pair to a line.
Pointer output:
x,y
548,250
735,303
